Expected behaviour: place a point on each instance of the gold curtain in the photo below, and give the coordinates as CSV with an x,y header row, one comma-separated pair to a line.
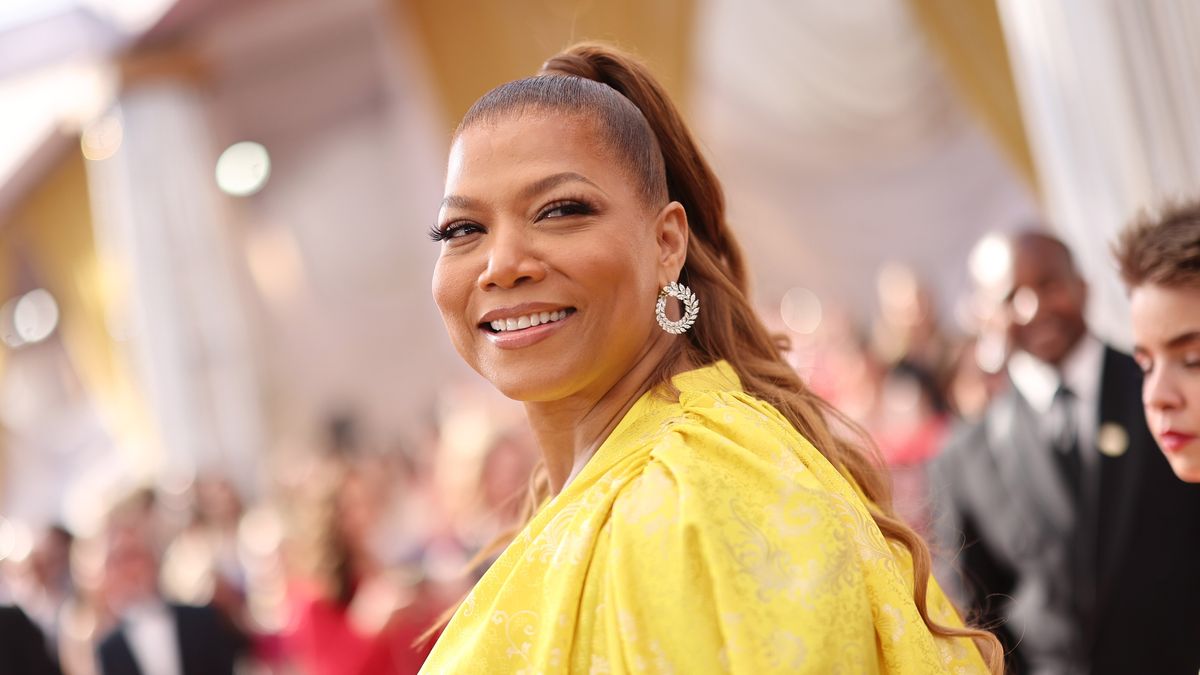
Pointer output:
x,y
52,228
474,45
969,38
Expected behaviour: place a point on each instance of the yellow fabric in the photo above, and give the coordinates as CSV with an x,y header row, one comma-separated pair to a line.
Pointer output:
x,y
704,536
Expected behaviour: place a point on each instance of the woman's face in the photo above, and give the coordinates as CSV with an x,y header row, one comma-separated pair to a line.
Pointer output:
x,y
1166,331
551,259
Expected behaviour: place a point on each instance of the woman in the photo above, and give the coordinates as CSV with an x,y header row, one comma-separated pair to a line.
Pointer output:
x,y
1160,263
696,513
349,613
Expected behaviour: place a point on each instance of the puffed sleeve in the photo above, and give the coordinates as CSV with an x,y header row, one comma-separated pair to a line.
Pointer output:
x,y
731,569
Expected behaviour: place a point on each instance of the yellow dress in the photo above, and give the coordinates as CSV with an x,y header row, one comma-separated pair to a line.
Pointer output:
x,y
704,536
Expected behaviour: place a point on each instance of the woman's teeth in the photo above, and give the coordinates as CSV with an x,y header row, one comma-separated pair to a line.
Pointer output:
x,y
536,319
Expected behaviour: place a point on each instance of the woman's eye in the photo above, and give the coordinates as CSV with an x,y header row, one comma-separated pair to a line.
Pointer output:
x,y
1191,361
563,209
453,231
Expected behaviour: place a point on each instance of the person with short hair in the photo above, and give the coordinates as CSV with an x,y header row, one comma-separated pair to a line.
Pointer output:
x,y
1058,517
154,636
1159,259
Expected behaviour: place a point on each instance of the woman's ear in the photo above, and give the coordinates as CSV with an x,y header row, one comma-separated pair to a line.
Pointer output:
x,y
671,235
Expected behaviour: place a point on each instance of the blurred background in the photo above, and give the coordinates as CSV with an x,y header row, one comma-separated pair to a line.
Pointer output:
x,y
214,273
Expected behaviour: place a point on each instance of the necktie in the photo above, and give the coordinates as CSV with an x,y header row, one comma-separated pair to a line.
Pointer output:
x,y
1067,453
1064,438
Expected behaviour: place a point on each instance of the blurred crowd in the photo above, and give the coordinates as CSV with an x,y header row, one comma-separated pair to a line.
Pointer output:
x,y
904,377
343,569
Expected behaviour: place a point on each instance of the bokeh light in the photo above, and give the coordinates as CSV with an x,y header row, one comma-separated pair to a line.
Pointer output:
x,y
102,138
34,317
261,532
243,169
801,310
1024,305
16,541
991,352
989,262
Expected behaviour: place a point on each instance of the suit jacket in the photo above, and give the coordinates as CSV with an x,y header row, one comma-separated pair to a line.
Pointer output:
x,y
22,645
1110,586
208,645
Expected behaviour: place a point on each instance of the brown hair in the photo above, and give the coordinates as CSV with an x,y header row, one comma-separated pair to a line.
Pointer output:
x,y
1162,248
645,129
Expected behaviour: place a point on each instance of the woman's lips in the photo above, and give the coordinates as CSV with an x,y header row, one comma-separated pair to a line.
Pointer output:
x,y
1174,441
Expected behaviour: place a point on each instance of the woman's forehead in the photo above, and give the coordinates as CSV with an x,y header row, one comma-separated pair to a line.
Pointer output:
x,y
1162,314
523,146
533,131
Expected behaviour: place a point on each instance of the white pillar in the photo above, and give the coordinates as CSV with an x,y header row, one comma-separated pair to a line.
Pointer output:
x,y
159,214
1110,95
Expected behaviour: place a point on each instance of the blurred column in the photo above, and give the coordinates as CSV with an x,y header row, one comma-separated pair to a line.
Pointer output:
x,y
1110,95
159,215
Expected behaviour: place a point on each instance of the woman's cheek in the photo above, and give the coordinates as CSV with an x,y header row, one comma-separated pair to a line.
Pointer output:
x,y
450,295
1191,394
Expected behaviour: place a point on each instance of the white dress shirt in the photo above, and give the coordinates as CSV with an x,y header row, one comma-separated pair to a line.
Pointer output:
x,y
1081,371
153,638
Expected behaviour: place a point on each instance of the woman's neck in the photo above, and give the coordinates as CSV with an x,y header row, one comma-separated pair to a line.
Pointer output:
x,y
570,430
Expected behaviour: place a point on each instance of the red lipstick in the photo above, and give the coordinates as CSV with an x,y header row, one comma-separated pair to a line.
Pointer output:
x,y
1174,441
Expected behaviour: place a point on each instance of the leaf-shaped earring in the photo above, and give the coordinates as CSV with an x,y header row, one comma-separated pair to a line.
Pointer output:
x,y
691,308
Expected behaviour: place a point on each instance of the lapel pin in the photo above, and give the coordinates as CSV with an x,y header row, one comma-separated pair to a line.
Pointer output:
x,y
1112,439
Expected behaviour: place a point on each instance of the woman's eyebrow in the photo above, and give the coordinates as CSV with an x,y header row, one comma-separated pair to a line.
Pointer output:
x,y
554,180
458,201
529,191
1183,339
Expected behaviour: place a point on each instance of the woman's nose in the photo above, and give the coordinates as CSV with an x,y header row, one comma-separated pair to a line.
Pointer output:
x,y
1160,391
511,260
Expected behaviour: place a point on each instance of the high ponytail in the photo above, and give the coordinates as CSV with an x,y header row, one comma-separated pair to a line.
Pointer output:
x,y
643,127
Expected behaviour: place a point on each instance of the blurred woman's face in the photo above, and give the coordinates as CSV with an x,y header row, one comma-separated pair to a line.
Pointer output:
x,y
1166,331
551,260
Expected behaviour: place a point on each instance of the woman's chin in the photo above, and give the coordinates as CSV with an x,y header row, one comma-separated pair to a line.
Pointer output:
x,y
532,384
1186,466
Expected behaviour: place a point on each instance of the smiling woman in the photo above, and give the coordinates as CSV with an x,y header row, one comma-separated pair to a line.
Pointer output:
x,y
539,218
697,514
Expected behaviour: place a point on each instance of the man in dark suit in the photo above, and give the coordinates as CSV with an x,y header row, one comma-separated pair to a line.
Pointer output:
x,y
23,649
204,642
1056,516
152,636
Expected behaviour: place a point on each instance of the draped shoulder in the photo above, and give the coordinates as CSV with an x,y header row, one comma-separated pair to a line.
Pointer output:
x,y
705,536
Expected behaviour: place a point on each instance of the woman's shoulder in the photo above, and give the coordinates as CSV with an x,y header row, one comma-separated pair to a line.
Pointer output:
x,y
712,399
727,433
721,448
